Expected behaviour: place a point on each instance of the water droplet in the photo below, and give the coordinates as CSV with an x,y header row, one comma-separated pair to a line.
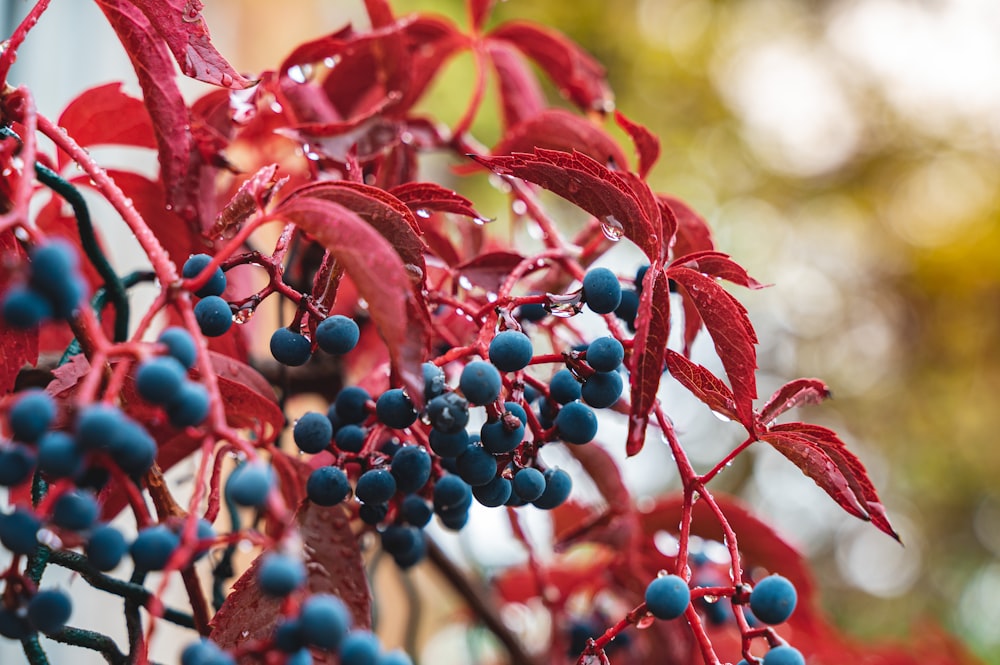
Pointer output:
x,y
491,297
191,13
645,622
406,138
564,305
422,212
710,599
276,107
243,315
226,80
332,61
499,183
465,282
300,73
612,228
245,633
415,272
519,207
724,418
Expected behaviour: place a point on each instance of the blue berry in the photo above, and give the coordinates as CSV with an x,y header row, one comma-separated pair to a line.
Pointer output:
x,y
16,465
605,354
105,547
75,510
31,415
773,599
394,409
398,539
205,652
494,493
324,621
532,312
190,407
498,437
415,511
375,486
337,334
290,348
249,484
451,494
480,382
49,610
563,387
278,574
528,484
287,636
25,308
13,626
96,425
448,445
784,655
373,513
215,285
411,467
19,531
131,447
180,345
300,657
153,547
58,455
360,647
640,275
510,351
576,423
667,597
159,379
476,465
213,315
351,405
55,274
602,389
601,290
312,432
350,438
327,486
434,380
448,413
628,308
394,657
558,485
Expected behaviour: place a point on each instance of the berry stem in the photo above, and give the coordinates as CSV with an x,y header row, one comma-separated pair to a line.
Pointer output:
x,y
9,53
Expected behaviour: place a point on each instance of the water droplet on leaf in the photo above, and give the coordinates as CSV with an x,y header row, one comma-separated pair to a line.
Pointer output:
x,y
612,228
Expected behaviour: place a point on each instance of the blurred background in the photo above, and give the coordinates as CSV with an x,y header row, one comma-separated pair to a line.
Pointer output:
x,y
845,151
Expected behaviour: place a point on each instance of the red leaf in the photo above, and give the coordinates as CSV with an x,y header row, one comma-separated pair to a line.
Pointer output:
x,y
105,115
488,271
701,383
647,145
577,75
792,394
431,196
692,231
728,324
182,28
333,564
20,347
606,475
652,324
616,198
822,456
248,398
379,13
556,129
719,265
521,96
377,271
252,196
478,11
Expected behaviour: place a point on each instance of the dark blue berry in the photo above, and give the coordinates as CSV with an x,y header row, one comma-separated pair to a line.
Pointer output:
x,y
563,387
480,382
576,423
159,379
279,575
327,486
350,438
213,315
55,274
397,539
499,437
448,413
494,493
25,308
19,531
415,511
190,407
510,351
628,308
784,655
105,547
667,597
531,312
448,445
601,290
605,354
180,345
324,621
49,610
411,467
288,636
360,647
16,465
312,432
394,657
205,652
394,409
773,599
215,285
153,547
13,626
352,405
59,455
337,334
476,465
31,415
451,494
373,513
75,510
546,412
434,380
375,486
249,484
558,485
640,275
454,520
131,447
300,657
97,425
290,348
528,484
602,389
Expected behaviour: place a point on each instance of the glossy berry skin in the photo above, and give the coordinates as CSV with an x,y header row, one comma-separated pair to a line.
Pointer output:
x,y
411,467
337,334
31,415
153,547
49,610
451,494
59,455
278,575
784,655
576,423
75,510
324,621
249,484
351,405
602,389
159,379
105,547
96,426
448,413
510,351
773,599
190,407
394,409
667,597
290,348
605,354
601,290
558,485
327,486
213,315
25,308
528,484
375,486
360,647
480,382
19,531
476,465
180,345
215,285
563,387
312,432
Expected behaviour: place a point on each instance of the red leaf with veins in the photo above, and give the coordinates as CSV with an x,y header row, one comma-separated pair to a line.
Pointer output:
x,y
432,196
488,271
701,383
556,129
182,28
577,75
521,96
728,324
718,265
692,231
20,347
613,197
647,145
105,115
652,328
792,394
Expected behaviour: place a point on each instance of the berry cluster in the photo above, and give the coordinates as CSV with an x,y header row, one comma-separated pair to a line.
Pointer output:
x,y
54,287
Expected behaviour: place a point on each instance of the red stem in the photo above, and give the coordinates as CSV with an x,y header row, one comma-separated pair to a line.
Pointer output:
x,y
9,54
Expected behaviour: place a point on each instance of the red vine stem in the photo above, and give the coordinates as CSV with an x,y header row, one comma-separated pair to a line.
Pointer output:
x,y
25,112
727,459
9,53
